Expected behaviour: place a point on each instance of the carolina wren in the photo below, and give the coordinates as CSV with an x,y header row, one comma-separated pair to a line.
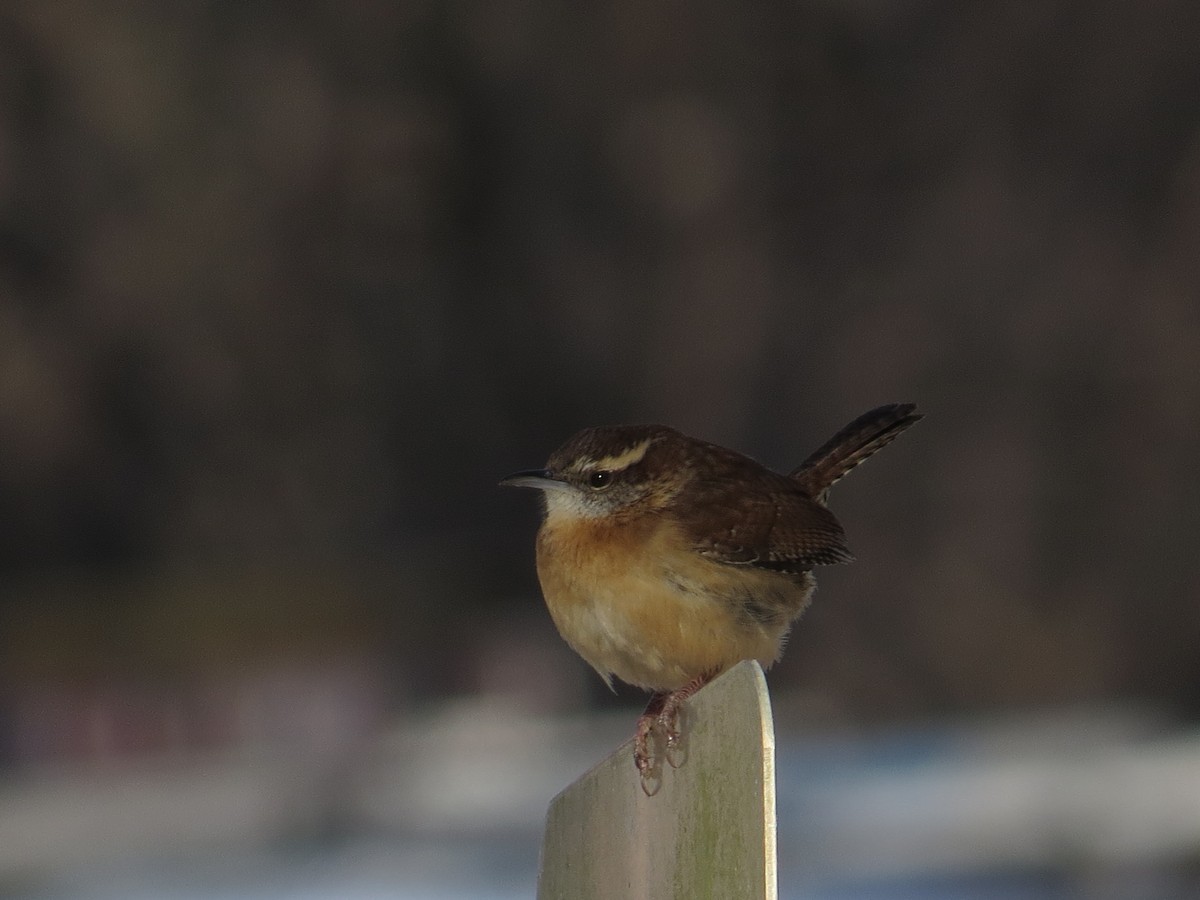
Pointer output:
x,y
664,560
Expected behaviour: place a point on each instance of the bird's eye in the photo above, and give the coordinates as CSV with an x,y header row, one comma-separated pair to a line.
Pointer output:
x,y
599,480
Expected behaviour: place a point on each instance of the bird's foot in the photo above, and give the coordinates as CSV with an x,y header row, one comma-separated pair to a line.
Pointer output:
x,y
644,755
664,718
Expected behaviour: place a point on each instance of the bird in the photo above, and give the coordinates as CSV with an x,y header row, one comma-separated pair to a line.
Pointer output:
x,y
664,560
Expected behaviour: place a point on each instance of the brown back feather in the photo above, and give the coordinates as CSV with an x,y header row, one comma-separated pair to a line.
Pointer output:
x,y
741,513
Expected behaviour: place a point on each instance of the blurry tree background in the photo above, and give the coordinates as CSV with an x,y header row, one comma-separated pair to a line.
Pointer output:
x,y
286,287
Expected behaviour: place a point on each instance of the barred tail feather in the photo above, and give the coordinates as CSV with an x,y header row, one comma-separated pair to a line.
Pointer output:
x,y
851,446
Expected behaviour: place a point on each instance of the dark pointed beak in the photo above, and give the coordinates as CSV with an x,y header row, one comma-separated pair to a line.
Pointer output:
x,y
532,478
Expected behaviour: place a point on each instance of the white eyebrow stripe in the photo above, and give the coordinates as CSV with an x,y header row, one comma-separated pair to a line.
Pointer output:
x,y
623,460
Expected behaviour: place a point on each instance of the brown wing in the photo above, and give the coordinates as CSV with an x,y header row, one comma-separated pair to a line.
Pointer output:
x,y
743,514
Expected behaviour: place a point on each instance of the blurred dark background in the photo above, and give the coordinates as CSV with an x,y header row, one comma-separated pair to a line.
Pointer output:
x,y
286,287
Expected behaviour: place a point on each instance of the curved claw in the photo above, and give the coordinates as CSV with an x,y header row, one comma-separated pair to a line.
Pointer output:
x,y
676,745
650,773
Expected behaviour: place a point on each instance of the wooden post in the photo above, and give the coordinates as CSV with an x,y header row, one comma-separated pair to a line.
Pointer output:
x,y
708,831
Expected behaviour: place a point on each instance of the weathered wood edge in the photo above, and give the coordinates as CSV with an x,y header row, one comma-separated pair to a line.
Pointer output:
x,y
605,837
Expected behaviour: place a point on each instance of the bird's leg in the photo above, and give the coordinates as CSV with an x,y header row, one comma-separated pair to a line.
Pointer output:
x,y
642,757
668,714
662,712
